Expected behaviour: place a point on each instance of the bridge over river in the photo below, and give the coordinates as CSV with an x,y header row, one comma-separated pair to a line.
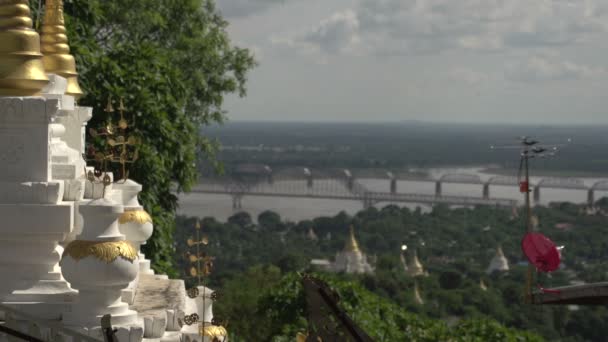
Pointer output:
x,y
259,180
256,180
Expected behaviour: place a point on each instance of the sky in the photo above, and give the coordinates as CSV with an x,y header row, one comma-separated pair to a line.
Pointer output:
x,y
479,61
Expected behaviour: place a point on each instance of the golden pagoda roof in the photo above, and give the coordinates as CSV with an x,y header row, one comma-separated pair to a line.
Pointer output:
x,y
351,242
21,69
499,252
55,48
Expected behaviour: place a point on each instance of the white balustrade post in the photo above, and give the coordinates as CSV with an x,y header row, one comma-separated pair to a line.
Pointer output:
x,y
100,263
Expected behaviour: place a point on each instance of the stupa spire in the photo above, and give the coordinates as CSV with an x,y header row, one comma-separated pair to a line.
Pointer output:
x,y
21,69
55,48
482,285
417,297
351,243
415,267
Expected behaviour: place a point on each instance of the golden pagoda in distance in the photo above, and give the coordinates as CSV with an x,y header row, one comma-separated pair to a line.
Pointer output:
x,y
415,268
417,297
351,242
54,45
21,68
350,260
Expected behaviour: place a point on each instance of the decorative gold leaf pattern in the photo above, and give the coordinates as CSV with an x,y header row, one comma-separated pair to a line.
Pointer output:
x,y
212,331
138,216
107,251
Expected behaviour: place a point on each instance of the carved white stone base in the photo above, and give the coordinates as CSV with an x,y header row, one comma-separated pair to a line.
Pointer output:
x,y
144,265
123,334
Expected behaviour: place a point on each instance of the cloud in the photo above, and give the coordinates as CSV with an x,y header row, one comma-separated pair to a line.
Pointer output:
x,y
468,76
243,8
397,27
542,69
337,34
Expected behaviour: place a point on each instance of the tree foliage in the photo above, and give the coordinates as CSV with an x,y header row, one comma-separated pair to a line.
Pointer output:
x,y
454,245
173,62
275,307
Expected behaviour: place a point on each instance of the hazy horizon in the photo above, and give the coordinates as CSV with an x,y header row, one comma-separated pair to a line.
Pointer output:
x,y
410,121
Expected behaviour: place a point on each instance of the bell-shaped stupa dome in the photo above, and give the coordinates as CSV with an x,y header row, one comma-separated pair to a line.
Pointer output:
x,y
499,262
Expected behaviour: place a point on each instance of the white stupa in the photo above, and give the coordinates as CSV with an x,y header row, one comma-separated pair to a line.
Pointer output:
x,y
351,259
49,200
499,262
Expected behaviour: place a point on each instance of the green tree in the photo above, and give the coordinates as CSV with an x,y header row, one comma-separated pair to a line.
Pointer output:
x,y
241,219
173,62
269,220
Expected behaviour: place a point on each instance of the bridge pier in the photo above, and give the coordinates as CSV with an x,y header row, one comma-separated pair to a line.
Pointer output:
x,y
486,191
237,201
393,186
350,183
536,194
368,201
438,189
590,198
309,182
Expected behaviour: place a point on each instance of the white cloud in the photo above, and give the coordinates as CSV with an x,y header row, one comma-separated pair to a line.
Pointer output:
x,y
468,76
243,8
542,69
395,27
334,35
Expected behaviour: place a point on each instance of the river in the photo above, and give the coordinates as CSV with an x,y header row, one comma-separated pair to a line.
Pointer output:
x,y
296,209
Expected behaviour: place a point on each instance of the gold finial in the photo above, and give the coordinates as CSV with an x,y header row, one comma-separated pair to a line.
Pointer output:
x,y
351,243
415,267
57,58
109,108
482,285
417,297
21,69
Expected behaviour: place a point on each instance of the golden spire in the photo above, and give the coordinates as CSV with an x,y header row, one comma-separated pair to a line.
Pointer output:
x,y
415,267
482,285
21,69
57,58
351,243
417,296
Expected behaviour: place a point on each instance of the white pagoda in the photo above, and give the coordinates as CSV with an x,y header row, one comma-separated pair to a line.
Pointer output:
x,y
350,260
499,262
69,238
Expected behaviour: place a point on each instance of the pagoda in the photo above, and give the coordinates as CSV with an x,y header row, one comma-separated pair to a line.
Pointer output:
x,y
499,262
351,259
415,268
70,235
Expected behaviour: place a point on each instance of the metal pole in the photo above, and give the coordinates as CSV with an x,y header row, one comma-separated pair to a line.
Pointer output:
x,y
528,294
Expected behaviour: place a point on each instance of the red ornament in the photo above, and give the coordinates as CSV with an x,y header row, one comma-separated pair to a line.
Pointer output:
x,y
524,187
541,252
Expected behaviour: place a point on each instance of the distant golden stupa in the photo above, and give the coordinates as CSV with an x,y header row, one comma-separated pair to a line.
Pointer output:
x,y
21,68
417,297
351,242
54,45
415,268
